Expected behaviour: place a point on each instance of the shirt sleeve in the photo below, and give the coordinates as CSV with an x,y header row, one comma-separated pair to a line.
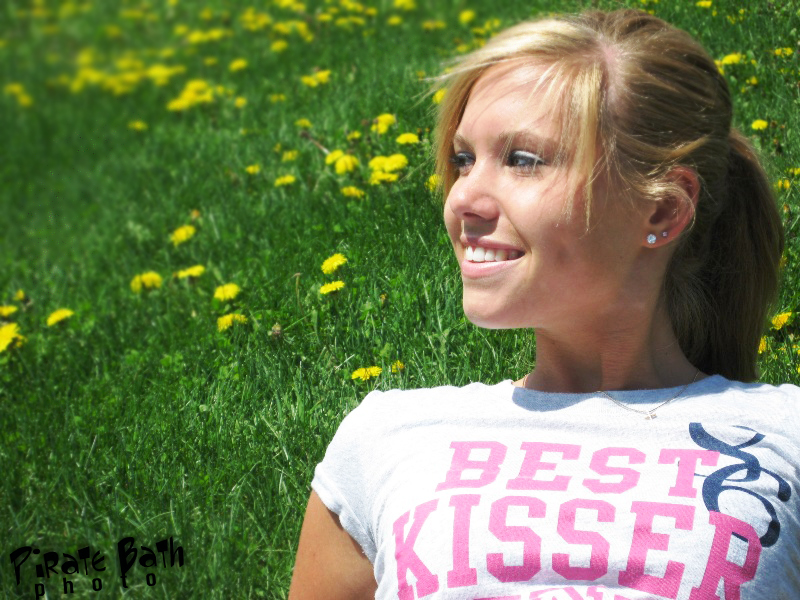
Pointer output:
x,y
340,480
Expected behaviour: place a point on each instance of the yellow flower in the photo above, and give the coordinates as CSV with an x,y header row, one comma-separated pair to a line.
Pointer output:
x,y
330,264
333,156
149,281
226,292
238,65
275,98
7,311
194,271
285,180
762,345
439,95
382,123
346,164
753,81
333,286
783,184
19,296
240,102
379,177
289,155
353,135
397,366
210,61
9,334
433,25
253,169
778,321
303,123
433,182
704,4
732,59
226,321
315,79
366,373
389,164
394,20
466,16
58,316
407,138
783,51
279,45
352,192
405,4
759,124
137,125
182,234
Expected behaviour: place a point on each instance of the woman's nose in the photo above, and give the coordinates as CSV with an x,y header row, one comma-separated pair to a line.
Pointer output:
x,y
473,196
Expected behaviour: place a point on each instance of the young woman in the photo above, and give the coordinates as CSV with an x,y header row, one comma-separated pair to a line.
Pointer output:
x,y
596,193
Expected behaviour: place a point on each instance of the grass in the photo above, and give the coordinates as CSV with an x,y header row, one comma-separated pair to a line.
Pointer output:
x,y
136,416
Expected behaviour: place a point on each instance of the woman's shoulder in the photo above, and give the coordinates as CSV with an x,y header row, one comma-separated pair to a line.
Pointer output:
x,y
752,391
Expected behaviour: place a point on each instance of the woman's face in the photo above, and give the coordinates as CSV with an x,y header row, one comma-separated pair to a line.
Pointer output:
x,y
524,263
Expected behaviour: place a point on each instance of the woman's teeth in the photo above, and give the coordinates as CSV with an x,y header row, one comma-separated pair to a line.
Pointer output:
x,y
479,255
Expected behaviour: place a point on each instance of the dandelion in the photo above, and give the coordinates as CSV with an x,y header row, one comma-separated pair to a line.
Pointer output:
x,y
407,138
240,102
237,65
346,164
148,281
759,124
753,81
778,321
285,180
783,184
330,264
354,135
439,95
253,169
20,296
7,311
289,155
191,272
303,124
379,177
394,20
762,345
182,234
227,321
9,334
732,59
397,366
704,4
433,182
433,25
382,123
275,98
137,125
389,164
318,78
279,46
352,192
405,4
333,156
366,373
226,292
466,17
331,287
783,51
58,316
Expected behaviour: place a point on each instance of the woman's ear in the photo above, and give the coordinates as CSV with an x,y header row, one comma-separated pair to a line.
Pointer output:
x,y
672,214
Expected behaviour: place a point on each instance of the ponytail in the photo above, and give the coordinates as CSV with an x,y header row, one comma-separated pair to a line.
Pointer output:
x,y
723,279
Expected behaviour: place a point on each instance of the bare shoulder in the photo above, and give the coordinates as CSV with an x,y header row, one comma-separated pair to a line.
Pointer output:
x,y
329,564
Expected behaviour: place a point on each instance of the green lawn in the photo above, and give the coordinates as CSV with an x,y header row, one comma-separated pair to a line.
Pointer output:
x,y
135,416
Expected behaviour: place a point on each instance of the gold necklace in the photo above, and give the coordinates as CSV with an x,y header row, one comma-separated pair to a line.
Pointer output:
x,y
649,415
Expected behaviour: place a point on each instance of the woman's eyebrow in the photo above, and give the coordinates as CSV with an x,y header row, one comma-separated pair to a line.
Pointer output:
x,y
524,136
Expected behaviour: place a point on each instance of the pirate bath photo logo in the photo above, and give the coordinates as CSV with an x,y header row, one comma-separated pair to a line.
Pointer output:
x,y
75,570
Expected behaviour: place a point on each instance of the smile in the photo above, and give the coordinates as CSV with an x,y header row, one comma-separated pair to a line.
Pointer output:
x,y
478,254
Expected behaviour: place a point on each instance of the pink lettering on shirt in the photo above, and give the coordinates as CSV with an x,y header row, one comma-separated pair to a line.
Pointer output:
x,y
532,543
461,574
719,567
489,468
598,563
599,464
645,539
687,464
407,559
533,463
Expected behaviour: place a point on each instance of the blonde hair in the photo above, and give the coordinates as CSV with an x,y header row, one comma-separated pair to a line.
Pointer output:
x,y
638,98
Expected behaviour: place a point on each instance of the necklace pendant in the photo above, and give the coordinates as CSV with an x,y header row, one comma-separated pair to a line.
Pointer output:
x,y
650,416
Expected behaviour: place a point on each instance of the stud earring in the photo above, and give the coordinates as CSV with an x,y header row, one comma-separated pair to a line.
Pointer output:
x,y
651,238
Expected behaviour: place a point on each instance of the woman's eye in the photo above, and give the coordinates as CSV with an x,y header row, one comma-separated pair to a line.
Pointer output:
x,y
524,160
462,161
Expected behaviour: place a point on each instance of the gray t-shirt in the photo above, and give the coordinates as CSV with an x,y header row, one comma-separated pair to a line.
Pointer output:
x,y
498,492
